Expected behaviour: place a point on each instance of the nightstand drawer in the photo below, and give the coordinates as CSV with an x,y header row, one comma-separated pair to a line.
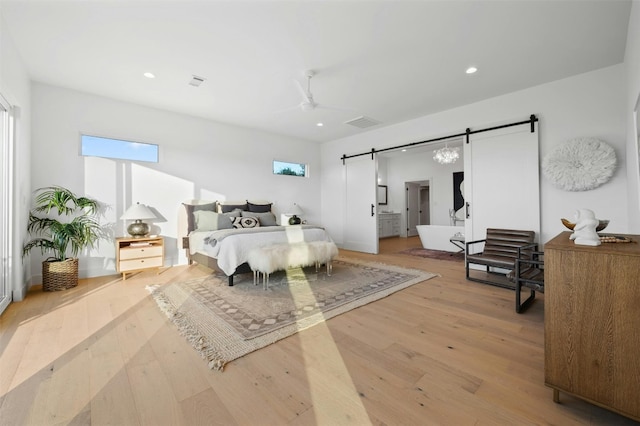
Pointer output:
x,y
140,252
130,265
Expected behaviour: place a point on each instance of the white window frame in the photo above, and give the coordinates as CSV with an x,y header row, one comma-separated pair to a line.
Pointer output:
x,y
133,145
6,204
291,163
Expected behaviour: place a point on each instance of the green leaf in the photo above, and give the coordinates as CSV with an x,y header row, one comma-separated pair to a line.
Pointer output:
x,y
60,237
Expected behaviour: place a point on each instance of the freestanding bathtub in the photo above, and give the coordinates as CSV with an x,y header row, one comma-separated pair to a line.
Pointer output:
x,y
436,237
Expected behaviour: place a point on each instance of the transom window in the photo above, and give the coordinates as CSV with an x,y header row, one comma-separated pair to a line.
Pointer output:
x,y
95,146
289,169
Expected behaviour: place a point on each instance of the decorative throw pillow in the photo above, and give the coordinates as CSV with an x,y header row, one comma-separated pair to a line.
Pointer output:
x,y
259,208
226,208
190,208
210,221
265,219
245,222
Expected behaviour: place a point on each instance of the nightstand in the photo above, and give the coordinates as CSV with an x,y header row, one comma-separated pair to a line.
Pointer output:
x,y
138,254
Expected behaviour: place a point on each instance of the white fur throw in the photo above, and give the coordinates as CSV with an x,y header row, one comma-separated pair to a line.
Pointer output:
x,y
279,257
580,164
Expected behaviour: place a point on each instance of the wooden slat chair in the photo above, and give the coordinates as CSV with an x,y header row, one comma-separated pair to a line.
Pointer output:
x,y
500,251
529,273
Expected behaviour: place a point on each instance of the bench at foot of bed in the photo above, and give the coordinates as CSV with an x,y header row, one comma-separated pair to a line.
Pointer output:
x,y
279,257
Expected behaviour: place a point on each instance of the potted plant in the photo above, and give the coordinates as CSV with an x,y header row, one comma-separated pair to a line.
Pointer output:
x,y
60,272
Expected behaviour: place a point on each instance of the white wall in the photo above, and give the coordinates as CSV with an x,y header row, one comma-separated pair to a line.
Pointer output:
x,y
632,64
587,105
198,159
15,87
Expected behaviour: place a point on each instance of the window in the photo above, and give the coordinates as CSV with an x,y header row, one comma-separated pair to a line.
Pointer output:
x,y
290,169
94,146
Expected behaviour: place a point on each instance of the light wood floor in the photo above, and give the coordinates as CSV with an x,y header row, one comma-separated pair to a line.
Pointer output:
x,y
445,351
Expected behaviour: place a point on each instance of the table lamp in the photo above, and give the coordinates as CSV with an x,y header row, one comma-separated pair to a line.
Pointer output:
x,y
138,212
295,211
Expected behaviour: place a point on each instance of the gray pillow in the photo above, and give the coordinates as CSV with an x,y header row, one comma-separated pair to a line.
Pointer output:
x,y
265,219
259,208
233,213
210,221
227,208
191,225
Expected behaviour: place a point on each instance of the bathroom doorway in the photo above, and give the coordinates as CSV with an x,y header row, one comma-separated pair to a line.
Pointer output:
x,y
418,205
425,213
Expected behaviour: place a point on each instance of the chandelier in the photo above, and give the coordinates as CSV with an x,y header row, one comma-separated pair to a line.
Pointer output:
x,y
446,155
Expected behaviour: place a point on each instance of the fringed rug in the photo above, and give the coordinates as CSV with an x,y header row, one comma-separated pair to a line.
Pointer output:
x,y
434,254
224,323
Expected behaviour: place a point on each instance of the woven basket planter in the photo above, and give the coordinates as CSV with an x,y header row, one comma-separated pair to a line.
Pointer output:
x,y
59,275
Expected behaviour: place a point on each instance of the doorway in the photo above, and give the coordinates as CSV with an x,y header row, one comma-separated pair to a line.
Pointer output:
x,y
425,206
418,205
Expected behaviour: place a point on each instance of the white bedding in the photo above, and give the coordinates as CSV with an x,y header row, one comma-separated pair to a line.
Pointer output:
x,y
232,249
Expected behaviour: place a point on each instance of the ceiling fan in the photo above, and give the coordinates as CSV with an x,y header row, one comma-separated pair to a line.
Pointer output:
x,y
308,103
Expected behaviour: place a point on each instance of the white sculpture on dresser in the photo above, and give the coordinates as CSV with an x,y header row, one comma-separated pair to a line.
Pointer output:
x,y
584,233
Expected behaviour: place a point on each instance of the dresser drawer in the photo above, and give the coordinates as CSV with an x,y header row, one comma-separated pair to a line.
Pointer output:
x,y
140,252
133,264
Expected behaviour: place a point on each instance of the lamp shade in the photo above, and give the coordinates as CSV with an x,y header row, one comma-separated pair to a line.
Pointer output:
x,y
294,211
138,212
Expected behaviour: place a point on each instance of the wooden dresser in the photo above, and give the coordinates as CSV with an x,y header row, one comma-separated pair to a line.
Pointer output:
x,y
592,322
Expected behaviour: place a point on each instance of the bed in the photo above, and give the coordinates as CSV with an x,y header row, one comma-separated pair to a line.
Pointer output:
x,y
221,235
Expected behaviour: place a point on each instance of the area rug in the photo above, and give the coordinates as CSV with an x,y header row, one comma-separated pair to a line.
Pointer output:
x,y
435,254
224,323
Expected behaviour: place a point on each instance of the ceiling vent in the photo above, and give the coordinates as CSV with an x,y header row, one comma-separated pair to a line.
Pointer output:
x,y
196,81
362,122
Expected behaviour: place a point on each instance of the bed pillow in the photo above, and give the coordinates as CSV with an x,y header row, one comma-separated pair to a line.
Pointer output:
x,y
210,221
259,208
233,213
226,208
265,219
245,222
190,208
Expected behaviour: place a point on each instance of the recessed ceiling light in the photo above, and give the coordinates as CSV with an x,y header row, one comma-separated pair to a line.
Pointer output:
x,y
149,75
319,124
404,150
471,70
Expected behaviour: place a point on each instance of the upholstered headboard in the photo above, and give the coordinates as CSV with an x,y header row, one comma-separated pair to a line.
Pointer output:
x,y
185,213
194,212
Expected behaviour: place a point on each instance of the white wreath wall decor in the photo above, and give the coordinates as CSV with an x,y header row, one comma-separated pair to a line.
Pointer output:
x,y
580,164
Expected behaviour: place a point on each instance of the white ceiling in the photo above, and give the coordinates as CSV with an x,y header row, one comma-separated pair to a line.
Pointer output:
x,y
387,60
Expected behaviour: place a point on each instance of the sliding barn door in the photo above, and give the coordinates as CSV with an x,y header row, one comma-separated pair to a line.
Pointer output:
x,y
502,183
361,223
